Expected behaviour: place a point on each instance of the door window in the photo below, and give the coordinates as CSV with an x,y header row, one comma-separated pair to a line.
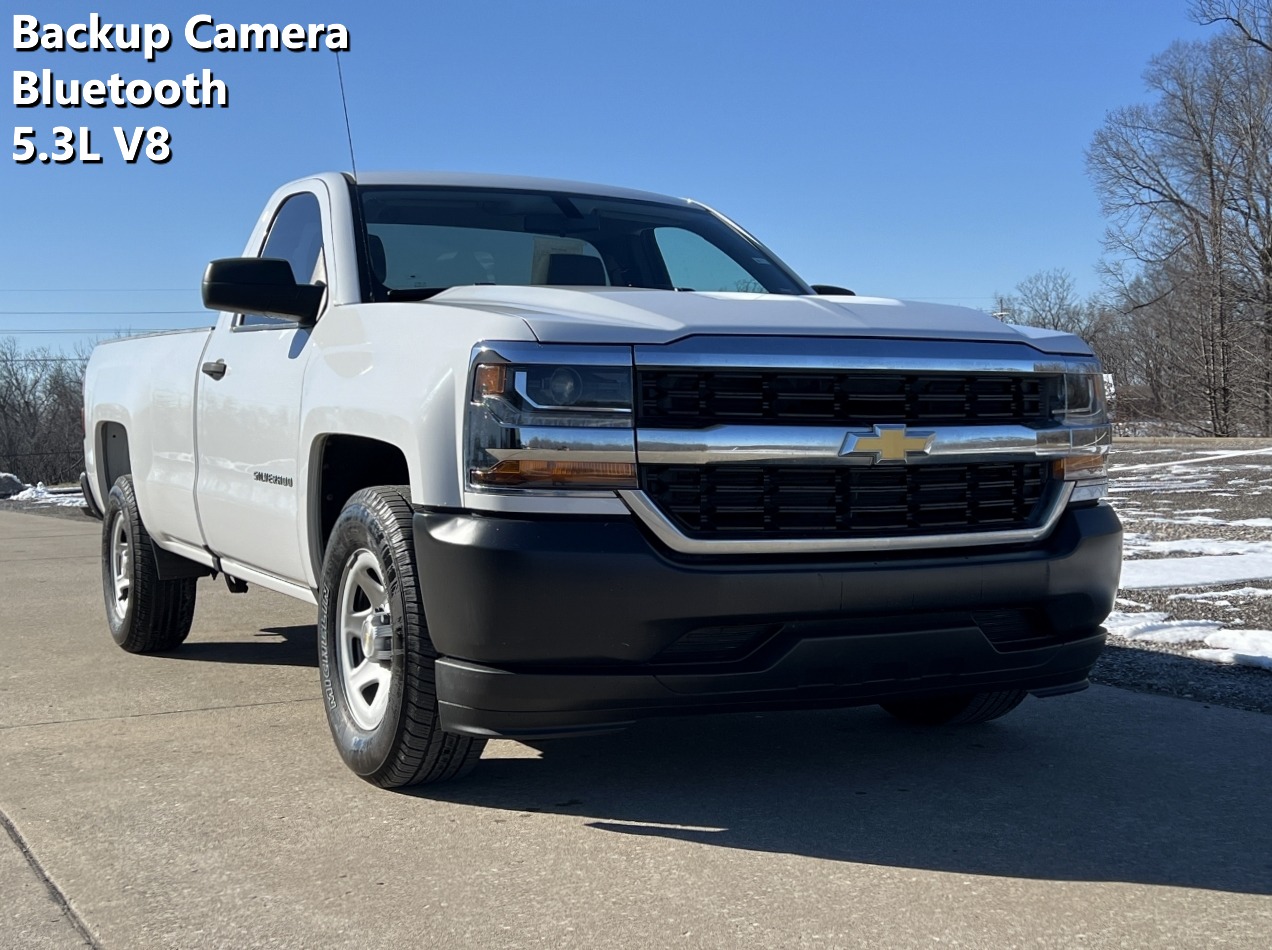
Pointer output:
x,y
296,237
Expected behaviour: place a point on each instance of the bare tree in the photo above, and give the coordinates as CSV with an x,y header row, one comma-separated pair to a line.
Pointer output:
x,y
1251,19
1247,138
41,427
1048,299
1181,180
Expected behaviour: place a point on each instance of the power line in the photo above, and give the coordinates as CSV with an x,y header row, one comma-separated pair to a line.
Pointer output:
x,y
44,359
84,313
99,330
37,455
96,290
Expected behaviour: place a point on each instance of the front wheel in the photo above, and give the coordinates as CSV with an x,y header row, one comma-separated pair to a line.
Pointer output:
x,y
956,710
375,657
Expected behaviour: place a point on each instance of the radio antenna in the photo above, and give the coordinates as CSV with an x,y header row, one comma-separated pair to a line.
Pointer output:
x,y
344,102
364,267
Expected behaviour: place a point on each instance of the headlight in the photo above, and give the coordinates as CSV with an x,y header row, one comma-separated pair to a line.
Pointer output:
x,y
1080,399
560,419
1079,405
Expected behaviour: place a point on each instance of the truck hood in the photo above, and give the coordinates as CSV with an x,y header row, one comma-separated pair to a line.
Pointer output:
x,y
639,316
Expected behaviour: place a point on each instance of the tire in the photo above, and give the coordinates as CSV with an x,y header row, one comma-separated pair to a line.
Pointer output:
x,y
956,710
378,680
145,614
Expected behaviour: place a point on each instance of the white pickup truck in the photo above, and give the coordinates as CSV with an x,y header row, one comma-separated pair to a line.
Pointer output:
x,y
551,457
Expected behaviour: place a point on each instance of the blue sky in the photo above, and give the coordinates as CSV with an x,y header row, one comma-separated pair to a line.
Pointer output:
x,y
928,150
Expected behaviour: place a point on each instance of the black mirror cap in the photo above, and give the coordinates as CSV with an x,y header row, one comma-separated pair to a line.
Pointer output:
x,y
830,290
263,285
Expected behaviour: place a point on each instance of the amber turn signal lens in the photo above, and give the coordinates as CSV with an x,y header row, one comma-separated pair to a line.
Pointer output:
x,y
1080,466
490,379
514,472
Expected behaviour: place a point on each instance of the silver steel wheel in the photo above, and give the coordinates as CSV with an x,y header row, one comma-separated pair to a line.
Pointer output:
x,y
366,639
121,567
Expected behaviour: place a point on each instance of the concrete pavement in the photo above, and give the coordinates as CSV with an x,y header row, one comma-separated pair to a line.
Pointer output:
x,y
34,916
195,800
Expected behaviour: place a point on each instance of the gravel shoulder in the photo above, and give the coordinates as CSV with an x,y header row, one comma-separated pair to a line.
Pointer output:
x,y
1177,497
1127,664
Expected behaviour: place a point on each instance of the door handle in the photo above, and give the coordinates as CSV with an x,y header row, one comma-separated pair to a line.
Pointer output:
x,y
215,370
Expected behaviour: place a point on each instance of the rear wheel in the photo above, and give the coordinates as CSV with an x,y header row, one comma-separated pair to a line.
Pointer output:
x,y
375,657
146,614
956,710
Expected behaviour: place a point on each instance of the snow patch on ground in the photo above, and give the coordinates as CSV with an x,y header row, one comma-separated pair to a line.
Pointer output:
x,y
1127,602
1243,647
68,497
1210,571
1188,519
1198,546
1205,455
1239,647
1152,626
1134,539
1159,487
1207,595
1208,520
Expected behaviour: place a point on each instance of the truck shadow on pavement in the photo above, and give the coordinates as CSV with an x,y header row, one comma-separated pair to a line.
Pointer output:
x,y
1114,788
297,647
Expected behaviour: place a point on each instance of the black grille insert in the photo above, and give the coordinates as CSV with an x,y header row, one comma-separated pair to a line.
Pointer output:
x,y
694,398
793,501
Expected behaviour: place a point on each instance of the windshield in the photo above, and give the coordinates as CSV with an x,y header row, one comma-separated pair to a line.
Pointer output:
x,y
422,240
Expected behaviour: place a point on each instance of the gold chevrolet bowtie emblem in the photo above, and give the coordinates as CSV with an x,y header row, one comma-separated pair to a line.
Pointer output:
x,y
888,444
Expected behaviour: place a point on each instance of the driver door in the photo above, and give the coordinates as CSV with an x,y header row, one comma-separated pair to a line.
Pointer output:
x,y
248,412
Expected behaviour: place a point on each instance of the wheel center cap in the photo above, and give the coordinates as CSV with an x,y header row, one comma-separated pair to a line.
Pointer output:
x,y
377,637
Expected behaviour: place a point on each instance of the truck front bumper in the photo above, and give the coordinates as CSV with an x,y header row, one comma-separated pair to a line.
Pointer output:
x,y
552,626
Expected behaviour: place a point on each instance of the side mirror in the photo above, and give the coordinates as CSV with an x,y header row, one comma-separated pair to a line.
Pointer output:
x,y
262,285
830,290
